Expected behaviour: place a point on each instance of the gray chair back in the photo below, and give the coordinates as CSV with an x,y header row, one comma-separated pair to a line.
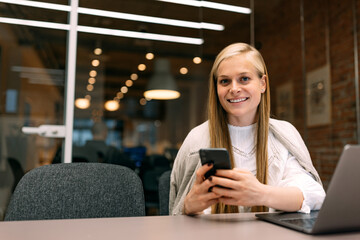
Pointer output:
x,y
164,191
77,190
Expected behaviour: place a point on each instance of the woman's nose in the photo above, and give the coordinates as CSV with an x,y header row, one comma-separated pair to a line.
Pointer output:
x,y
235,88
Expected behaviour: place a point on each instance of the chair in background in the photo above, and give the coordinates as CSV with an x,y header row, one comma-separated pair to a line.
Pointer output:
x,y
153,167
77,190
17,171
164,191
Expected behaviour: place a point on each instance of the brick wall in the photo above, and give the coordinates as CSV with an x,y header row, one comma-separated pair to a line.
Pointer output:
x,y
282,48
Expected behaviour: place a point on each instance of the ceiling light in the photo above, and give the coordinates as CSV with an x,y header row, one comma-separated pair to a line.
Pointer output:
x,y
141,67
197,60
82,103
88,97
111,105
105,31
129,83
142,101
214,5
91,80
89,87
141,35
183,70
97,51
162,84
124,89
149,56
119,15
92,73
134,77
149,19
95,63
120,95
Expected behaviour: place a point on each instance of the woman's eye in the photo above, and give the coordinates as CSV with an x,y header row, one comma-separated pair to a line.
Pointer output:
x,y
223,81
245,79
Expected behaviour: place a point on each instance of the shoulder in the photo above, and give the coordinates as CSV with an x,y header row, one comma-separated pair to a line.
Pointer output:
x,y
282,127
198,137
280,123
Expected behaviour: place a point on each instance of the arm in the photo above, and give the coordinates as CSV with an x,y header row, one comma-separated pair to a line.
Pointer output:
x,y
246,190
296,191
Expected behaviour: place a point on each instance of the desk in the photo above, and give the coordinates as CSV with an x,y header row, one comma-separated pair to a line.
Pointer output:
x,y
242,226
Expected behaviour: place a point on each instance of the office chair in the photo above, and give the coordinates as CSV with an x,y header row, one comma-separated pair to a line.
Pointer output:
x,y
77,190
17,171
164,191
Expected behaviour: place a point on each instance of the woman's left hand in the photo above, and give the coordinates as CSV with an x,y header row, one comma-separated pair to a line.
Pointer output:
x,y
241,187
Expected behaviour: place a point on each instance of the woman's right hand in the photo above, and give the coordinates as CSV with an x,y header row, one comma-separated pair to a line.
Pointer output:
x,y
199,198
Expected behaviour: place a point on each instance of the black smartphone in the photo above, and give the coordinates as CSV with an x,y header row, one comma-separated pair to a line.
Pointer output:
x,y
217,156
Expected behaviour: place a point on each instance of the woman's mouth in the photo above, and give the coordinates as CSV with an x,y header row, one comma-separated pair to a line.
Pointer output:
x,y
237,100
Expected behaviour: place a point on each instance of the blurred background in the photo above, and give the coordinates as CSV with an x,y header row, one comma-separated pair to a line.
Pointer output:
x,y
73,78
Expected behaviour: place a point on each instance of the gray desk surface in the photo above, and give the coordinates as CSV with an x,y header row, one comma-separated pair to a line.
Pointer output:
x,y
223,227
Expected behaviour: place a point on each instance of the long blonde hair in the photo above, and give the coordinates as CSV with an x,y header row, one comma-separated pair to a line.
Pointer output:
x,y
218,122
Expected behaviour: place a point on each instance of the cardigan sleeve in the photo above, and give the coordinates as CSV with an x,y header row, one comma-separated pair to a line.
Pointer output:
x,y
185,165
296,176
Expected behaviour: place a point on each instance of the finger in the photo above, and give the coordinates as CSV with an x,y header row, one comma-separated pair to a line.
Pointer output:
x,y
200,173
224,182
223,192
234,174
207,184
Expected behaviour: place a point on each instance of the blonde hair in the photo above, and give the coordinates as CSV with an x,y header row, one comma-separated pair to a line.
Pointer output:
x,y
218,122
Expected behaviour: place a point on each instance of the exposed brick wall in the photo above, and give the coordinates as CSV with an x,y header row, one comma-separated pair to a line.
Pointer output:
x,y
280,37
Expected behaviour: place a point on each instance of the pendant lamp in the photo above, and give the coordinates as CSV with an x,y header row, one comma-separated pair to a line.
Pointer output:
x,y
162,84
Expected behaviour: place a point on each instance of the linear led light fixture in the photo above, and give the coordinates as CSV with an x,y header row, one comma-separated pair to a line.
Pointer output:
x,y
142,18
105,31
119,15
214,5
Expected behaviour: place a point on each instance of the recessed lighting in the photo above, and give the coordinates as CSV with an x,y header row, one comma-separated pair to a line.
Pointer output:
x,y
129,83
120,95
91,80
134,77
92,73
149,56
95,63
143,101
141,67
97,51
89,87
197,60
183,70
124,89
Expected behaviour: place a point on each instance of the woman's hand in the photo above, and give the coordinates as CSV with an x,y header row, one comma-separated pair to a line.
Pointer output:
x,y
199,197
241,188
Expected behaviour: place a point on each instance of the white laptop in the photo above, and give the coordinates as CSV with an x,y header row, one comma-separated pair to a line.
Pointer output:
x,y
340,211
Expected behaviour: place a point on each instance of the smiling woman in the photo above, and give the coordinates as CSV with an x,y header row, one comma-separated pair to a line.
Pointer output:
x,y
275,175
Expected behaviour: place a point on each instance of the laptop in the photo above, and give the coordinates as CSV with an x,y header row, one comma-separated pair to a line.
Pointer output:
x,y
340,211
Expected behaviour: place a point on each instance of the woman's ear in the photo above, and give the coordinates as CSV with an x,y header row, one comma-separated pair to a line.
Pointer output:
x,y
263,83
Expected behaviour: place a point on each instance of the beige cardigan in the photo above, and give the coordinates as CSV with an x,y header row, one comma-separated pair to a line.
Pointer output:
x,y
188,161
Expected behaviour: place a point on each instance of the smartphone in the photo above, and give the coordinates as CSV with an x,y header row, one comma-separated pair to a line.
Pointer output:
x,y
217,156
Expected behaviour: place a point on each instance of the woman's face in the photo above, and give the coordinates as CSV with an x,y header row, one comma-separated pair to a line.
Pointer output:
x,y
239,89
